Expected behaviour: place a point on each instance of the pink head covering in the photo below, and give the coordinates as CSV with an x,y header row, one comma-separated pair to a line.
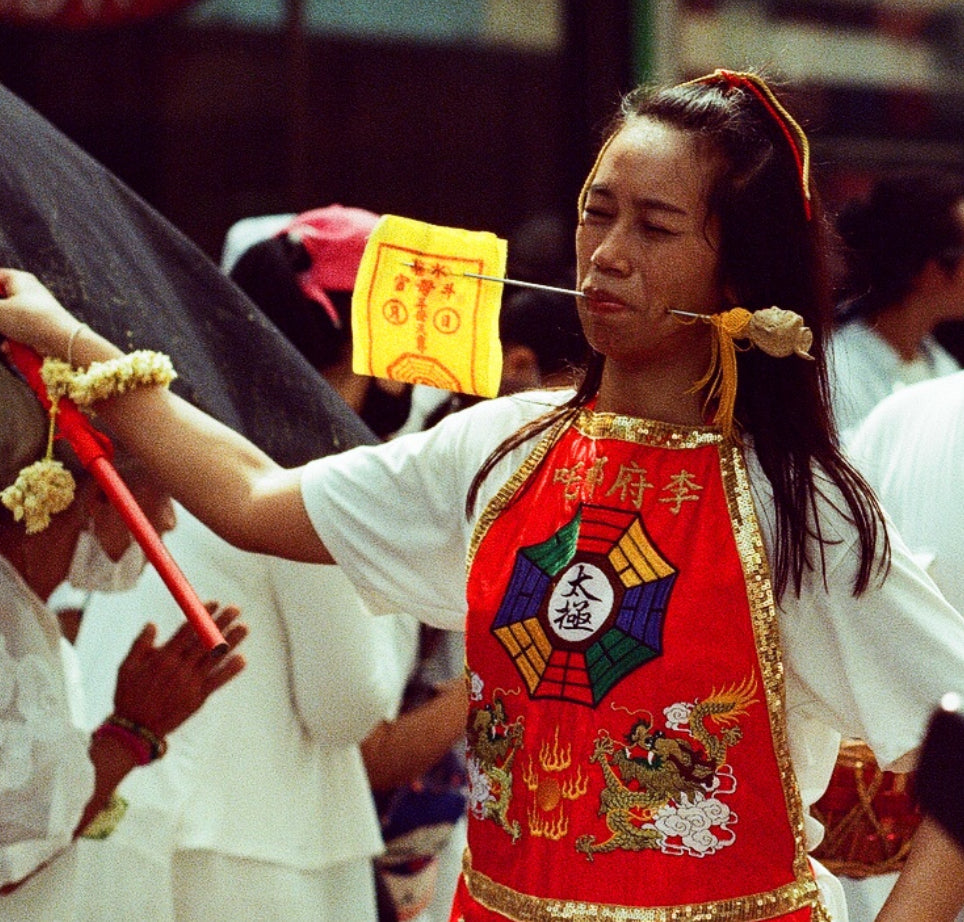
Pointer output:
x,y
335,239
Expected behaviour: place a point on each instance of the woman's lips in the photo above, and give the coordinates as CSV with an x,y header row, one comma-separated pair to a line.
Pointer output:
x,y
604,304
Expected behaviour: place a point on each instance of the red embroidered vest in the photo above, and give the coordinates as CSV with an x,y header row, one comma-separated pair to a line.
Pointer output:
x,y
627,743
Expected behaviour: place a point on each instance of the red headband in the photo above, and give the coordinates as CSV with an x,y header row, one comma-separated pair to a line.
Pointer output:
x,y
794,134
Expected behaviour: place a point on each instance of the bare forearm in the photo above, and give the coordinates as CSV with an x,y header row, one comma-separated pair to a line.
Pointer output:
x,y
112,763
221,477
931,886
400,752
205,465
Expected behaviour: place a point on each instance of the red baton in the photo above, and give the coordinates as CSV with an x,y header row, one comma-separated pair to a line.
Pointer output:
x,y
95,450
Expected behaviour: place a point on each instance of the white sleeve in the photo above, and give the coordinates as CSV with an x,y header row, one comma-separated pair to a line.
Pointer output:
x,y
338,648
46,777
394,517
910,449
873,666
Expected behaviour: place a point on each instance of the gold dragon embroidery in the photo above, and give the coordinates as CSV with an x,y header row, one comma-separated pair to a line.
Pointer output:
x,y
493,743
670,770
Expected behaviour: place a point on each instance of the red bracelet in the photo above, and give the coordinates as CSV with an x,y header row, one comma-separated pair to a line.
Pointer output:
x,y
142,744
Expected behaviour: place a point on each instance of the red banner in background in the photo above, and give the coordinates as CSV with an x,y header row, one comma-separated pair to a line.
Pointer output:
x,y
84,14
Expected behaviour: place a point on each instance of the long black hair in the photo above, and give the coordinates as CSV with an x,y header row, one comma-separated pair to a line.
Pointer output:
x,y
774,245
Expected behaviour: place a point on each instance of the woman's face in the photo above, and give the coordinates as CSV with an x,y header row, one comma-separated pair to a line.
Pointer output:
x,y
644,246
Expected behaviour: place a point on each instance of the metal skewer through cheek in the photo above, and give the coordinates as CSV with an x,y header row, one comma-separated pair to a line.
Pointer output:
x,y
556,290
537,286
565,291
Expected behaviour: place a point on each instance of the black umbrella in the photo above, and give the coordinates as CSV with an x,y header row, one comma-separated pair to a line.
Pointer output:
x,y
121,267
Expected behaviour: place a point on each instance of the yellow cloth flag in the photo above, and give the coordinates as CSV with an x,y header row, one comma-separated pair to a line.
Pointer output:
x,y
416,316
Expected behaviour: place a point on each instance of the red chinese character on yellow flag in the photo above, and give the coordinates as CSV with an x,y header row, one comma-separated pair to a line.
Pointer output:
x,y
418,315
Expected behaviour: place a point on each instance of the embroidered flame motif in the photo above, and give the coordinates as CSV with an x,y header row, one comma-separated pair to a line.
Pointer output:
x,y
547,816
663,788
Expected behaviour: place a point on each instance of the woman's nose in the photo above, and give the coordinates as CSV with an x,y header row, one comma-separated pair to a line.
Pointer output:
x,y
611,257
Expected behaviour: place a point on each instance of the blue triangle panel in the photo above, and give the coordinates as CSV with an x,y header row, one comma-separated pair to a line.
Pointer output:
x,y
523,596
643,609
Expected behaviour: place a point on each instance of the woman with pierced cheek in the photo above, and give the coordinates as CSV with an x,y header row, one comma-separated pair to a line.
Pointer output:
x,y
675,582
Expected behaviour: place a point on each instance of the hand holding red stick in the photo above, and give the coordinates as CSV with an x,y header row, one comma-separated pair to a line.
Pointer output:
x,y
95,451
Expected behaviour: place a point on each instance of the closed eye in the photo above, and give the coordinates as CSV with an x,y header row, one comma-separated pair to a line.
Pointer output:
x,y
596,214
659,230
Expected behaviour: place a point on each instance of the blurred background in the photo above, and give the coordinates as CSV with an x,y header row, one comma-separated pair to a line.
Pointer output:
x,y
477,113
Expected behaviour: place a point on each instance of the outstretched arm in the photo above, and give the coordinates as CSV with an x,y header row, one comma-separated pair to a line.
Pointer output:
x,y
227,482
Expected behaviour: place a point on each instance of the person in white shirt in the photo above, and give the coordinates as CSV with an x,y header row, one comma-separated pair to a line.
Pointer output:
x,y
263,810
904,245
908,447
58,779
905,274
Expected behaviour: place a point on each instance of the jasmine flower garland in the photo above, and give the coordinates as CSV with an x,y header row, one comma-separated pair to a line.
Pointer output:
x,y
103,380
46,487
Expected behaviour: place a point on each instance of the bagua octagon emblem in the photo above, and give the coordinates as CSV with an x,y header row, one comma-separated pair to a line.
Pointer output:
x,y
586,607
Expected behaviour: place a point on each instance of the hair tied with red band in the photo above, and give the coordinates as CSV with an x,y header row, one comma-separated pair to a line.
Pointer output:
x,y
795,135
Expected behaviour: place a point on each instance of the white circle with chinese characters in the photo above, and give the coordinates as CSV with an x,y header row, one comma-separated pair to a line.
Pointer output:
x,y
580,603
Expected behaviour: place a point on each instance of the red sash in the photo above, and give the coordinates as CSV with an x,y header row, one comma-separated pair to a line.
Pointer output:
x,y
627,744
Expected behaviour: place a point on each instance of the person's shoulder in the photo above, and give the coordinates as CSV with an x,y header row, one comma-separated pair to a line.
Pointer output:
x,y
853,342
941,396
938,402
852,331
468,437
509,413
531,404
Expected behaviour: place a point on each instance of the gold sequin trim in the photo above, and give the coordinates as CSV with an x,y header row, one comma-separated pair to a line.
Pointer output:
x,y
645,431
596,426
756,570
756,907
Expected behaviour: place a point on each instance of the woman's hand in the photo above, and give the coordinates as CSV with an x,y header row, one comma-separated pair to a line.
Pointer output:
x,y
158,688
161,687
30,314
